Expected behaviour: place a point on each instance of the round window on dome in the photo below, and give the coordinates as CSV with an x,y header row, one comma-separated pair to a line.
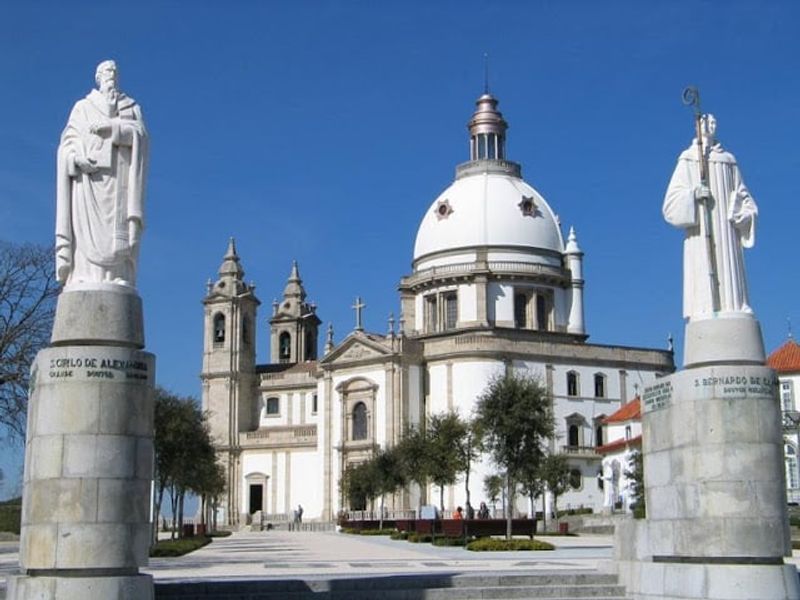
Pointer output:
x,y
528,206
443,209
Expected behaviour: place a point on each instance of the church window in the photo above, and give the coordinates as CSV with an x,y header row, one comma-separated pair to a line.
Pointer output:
x,y
575,479
541,312
791,467
360,421
481,146
787,395
521,310
284,347
311,346
627,432
572,383
431,313
598,434
219,328
314,404
273,406
451,311
527,206
599,385
443,209
573,436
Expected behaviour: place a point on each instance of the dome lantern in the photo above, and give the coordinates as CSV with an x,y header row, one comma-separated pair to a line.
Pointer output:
x,y
487,131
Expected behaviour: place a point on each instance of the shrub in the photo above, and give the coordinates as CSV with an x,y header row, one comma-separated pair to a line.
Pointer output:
x,y
354,531
449,541
179,547
219,533
575,511
419,538
794,521
495,545
386,531
399,535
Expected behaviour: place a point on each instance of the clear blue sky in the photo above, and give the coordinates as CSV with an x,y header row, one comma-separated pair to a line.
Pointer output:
x,y
322,131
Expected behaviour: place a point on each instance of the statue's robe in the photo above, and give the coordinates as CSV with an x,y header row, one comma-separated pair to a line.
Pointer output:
x,y
94,211
732,216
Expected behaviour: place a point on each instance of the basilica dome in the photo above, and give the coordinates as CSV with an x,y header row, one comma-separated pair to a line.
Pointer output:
x,y
488,209
488,205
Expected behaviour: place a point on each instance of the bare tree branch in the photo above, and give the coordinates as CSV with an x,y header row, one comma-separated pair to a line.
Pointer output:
x,y
27,305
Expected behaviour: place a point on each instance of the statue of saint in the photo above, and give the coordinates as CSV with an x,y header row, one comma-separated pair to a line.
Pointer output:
x,y
102,165
719,218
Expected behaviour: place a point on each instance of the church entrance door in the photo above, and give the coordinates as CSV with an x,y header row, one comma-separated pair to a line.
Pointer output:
x,y
256,497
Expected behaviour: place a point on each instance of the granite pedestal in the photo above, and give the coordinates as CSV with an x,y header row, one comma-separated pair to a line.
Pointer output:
x,y
716,524
89,454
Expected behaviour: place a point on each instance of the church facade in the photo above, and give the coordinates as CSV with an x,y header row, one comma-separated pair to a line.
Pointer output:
x,y
494,287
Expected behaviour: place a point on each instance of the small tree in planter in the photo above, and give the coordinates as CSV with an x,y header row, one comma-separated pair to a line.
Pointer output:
x,y
516,417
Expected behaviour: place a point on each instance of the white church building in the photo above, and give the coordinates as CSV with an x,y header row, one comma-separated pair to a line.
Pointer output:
x,y
494,286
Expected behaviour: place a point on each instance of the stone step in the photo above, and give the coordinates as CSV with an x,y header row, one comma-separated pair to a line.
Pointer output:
x,y
567,586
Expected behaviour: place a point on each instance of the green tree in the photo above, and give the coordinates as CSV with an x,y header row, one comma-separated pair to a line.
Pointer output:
x,y
516,418
415,456
389,475
635,473
468,449
27,304
446,433
531,485
184,453
493,486
555,474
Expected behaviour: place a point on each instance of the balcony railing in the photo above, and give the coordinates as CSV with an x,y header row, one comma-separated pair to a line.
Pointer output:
x,y
585,451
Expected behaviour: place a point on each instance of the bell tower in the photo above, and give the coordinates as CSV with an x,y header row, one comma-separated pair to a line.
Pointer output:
x,y
294,324
229,365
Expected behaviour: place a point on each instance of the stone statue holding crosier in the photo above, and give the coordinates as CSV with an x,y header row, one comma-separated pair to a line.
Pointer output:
x,y
718,216
102,164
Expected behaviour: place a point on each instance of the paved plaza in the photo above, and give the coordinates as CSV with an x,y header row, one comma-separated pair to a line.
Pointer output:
x,y
328,555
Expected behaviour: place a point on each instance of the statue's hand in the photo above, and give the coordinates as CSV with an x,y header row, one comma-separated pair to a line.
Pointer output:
x,y
101,130
86,165
702,193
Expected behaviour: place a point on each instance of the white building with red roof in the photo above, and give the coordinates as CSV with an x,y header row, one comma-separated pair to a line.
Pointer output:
x,y
786,361
623,430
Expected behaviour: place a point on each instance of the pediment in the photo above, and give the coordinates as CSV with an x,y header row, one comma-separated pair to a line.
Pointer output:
x,y
356,348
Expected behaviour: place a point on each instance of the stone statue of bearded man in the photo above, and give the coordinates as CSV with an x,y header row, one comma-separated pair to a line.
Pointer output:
x,y
719,220
102,165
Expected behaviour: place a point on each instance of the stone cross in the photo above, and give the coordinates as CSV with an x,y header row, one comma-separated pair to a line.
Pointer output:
x,y
359,306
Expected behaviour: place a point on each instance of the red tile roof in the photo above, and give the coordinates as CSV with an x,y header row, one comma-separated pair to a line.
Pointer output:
x,y
786,359
631,411
612,446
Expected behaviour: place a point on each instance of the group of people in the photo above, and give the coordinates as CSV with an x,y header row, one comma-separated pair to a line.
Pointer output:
x,y
483,512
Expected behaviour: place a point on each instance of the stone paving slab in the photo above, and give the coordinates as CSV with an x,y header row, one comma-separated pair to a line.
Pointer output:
x,y
276,555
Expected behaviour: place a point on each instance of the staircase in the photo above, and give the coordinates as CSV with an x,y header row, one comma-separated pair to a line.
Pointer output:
x,y
555,586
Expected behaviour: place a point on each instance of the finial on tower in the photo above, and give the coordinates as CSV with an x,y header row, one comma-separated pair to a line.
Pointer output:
x,y
231,252
329,340
391,324
485,72
789,325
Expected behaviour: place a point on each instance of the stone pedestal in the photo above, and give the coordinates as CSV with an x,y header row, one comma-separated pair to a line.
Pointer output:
x,y
89,455
716,524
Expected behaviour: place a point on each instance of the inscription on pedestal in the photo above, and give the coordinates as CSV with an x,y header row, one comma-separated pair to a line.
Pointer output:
x,y
657,396
738,385
93,367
